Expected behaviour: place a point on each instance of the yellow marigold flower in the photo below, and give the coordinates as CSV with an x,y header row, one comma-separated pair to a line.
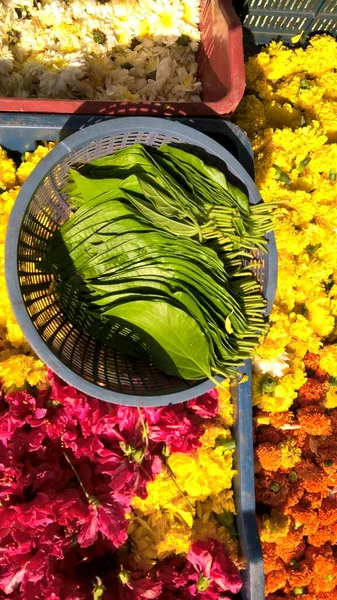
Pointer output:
x,y
40,152
225,406
143,547
7,200
157,536
331,397
321,319
328,359
291,453
203,474
15,335
223,502
282,396
18,369
327,115
24,171
212,432
7,171
31,159
160,493
285,115
251,105
274,527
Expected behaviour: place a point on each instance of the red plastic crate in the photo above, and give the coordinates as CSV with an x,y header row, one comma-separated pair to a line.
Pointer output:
x,y
220,70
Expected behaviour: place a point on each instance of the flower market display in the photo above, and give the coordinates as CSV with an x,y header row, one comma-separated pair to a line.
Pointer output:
x,y
290,114
127,50
103,501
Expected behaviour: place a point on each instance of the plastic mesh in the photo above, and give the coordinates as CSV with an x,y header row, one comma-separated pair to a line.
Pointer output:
x,y
47,210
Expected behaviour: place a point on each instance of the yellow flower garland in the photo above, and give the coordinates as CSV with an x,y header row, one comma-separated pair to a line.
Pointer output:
x,y
19,367
290,114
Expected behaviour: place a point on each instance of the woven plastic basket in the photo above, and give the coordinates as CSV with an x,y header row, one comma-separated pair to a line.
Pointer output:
x,y
40,210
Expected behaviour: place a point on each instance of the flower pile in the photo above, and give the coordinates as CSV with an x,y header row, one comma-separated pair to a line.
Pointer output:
x,y
98,499
290,114
106,501
128,50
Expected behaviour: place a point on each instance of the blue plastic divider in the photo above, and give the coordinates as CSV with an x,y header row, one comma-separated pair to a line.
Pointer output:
x,y
21,133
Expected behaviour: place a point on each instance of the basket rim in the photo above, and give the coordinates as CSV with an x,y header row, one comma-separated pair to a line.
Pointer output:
x,y
76,140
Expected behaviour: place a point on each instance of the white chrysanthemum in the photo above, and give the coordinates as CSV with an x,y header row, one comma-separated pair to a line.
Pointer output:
x,y
274,367
129,49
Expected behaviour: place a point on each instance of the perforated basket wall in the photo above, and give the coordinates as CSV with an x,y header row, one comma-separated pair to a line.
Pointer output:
x,y
283,19
37,214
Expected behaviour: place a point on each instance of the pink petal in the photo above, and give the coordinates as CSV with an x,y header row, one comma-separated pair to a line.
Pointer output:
x,y
11,579
89,531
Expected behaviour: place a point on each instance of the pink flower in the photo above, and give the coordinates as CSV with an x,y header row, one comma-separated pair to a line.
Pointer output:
x,y
133,586
106,517
181,426
206,574
205,406
210,570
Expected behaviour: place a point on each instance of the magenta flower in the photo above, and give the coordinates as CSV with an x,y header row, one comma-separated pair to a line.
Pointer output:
x,y
104,516
210,571
69,468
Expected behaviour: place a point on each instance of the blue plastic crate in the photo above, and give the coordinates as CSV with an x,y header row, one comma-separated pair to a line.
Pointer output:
x,y
21,133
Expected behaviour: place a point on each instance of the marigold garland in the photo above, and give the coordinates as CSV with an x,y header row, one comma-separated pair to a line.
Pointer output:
x,y
290,113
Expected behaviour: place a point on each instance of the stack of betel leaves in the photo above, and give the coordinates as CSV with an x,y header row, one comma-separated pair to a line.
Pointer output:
x,y
152,260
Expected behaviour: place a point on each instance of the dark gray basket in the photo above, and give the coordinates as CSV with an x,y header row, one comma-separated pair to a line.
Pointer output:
x,y
267,20
40,210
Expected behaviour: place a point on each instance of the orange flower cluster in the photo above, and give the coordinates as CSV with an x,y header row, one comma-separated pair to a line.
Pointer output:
x,y
296,492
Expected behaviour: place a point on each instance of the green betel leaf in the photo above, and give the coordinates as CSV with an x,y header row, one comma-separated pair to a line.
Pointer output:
x,y
156,247
174,341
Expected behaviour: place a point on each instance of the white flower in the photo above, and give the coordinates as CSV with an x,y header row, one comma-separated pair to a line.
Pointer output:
x,y
275,367
110,64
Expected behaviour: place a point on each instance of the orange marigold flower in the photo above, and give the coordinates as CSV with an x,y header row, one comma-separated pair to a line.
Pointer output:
x,y
271,562
324,574
312,553
313,500
272,489
306,517
327,515
332,595
319,537
269,456
333,417
314,420
299,575
312,477
295,493
311,361
321,375
278,420
327,458
301,437
311,392
276,580
291,547
267,433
